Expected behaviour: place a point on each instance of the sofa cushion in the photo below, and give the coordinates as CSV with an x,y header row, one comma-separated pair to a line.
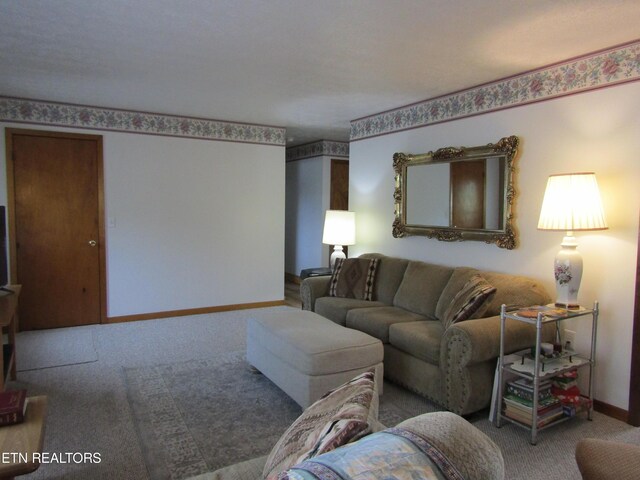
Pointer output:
x,y
353,278
390,273
336,308
470,302
421,288
313,345
334,420
459,278
514,291
420,339
376,321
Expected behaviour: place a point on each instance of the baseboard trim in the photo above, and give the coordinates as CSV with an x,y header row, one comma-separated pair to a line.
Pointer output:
x,y
291,278
611,411
193,311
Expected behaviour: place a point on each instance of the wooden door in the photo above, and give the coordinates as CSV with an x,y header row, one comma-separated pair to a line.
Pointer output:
x,y
56,204
339,185
339,191
467,193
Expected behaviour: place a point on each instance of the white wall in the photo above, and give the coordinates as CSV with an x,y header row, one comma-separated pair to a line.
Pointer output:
x,y
197,223
596,131
308,185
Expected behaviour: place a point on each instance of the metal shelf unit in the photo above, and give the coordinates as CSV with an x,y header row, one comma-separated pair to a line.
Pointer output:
x,y
537,368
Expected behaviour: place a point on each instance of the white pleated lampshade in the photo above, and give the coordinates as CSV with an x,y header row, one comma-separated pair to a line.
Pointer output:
x,y
339,228
572,202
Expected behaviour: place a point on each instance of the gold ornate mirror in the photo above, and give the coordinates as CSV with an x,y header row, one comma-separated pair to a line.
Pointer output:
x,y
456,194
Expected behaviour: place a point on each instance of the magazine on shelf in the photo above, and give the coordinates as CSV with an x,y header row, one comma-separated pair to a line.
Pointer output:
x,y
544,405
546,310
527,384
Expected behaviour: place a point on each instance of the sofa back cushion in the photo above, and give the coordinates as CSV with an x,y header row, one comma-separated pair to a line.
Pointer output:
x,y
514,291
421,287
388,278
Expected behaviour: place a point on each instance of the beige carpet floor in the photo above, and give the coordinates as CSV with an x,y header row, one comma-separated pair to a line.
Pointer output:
x,y
56,348
90,411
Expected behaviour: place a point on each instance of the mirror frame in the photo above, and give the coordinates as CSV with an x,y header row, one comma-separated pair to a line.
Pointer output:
x,y
505,237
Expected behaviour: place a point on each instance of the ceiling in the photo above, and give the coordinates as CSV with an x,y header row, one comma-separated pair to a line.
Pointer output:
x,y
308,65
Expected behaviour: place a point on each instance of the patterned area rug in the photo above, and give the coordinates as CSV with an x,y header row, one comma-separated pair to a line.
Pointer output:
x,y
199,416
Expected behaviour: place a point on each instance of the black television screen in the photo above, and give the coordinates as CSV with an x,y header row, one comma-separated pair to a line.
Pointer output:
x,y
4,273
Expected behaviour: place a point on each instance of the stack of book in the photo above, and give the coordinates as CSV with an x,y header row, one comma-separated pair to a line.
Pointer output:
x,y
582,404
518,403
565,388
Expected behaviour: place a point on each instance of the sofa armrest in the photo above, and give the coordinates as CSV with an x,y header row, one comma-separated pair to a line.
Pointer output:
x,y
476,341
467,358
471,451
312,288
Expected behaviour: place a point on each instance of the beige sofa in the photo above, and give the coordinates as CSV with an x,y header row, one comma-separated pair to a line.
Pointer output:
x,y
455,366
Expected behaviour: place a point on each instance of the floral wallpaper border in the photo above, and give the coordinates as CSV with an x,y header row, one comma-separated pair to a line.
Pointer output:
x,y
601,69
98,118
316,149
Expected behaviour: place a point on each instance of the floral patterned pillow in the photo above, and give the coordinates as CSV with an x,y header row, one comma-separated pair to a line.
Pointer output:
x,y
337,418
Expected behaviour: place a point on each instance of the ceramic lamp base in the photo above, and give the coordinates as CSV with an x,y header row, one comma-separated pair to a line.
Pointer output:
x,y
568,273
336,254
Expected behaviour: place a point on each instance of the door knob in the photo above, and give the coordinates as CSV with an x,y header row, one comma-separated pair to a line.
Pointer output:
x,y
92,243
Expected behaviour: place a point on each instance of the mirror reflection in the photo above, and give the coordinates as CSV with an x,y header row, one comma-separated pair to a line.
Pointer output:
x,y
459,194
456,194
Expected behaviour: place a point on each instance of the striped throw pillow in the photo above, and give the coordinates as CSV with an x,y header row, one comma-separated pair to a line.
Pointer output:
x,y
470,302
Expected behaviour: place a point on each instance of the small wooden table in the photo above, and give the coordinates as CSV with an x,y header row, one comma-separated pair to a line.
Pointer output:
x,y
19,442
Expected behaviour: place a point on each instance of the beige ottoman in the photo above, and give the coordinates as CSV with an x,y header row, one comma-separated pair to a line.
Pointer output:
x,y
306,354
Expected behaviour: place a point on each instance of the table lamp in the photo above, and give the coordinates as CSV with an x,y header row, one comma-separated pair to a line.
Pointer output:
x,y
339,230
571,203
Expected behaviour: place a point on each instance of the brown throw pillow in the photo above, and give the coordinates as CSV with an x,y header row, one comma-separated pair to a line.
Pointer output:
x,y
353,278
337,418
470,302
